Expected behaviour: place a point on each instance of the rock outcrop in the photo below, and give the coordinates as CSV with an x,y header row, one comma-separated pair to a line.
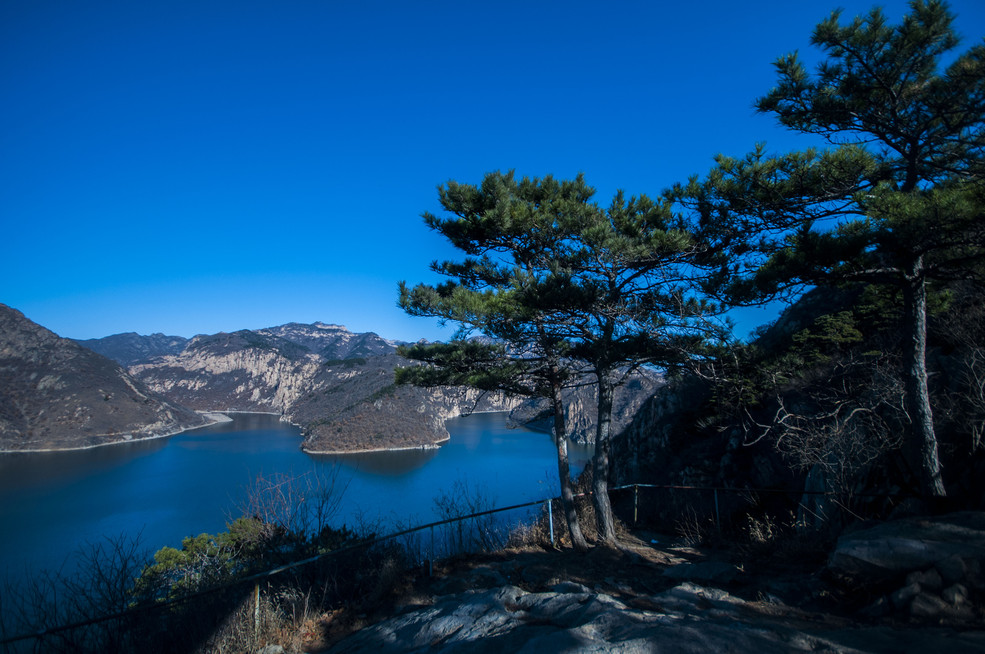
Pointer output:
x,y
56,394
339,387
572,618
926,568
581,411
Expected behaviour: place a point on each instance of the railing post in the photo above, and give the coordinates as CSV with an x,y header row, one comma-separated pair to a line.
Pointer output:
x,y
256,610
718,520
550,519
431,553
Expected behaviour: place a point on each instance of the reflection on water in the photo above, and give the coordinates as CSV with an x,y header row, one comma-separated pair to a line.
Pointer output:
x,y
381,463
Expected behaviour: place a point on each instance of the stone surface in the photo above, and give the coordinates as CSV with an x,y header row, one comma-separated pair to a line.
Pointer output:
x,y
718,572
685,619
926,578
952,569
903,596
927,605
913,544
956,594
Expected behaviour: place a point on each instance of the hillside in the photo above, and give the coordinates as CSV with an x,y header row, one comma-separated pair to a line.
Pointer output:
x,y
815,403
336,385
130,348
56,394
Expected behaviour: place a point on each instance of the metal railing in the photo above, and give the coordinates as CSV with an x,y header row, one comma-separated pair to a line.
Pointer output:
x,y
547,504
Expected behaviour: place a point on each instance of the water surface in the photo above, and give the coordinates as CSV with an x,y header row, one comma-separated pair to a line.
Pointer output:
x,y
53,503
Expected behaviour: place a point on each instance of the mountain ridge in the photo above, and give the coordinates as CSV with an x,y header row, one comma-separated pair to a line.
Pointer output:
x,y
337,386
56,394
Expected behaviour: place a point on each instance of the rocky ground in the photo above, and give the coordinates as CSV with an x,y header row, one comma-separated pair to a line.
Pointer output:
x,y
658,595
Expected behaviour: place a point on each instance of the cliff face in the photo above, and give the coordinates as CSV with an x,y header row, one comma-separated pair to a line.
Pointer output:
x,y
581,408
56,394
339,387
244,371
336,385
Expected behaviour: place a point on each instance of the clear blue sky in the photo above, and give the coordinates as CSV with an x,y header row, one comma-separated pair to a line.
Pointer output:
x,y
194,167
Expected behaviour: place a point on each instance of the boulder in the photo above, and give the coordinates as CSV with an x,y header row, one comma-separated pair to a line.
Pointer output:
x,y
927,605
903,596
898,547
952,569
926,578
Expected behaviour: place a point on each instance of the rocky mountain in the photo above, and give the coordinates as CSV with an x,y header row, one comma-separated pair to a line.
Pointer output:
x,y
336,385
332,342
356,404
339,387
130,348
241,371
581,410
56,394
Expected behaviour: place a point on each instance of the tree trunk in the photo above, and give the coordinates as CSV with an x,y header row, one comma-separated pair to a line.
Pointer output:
x,y
564,472
600,463
922,440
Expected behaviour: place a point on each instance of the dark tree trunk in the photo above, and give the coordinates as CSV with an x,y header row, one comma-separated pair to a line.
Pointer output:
x,y
564,472
600,463
923,439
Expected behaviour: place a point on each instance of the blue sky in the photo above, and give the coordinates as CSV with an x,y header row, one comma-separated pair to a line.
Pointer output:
x,y
195,167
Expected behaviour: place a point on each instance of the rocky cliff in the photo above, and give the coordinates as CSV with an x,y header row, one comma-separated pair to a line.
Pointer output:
x,y
56,394
338,386
242,371
581,409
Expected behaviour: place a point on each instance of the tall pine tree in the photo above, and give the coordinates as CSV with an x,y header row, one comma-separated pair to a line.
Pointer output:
x,y
569,285
896,197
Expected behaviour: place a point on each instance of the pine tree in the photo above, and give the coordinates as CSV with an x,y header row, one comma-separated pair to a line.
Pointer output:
x,y
570,288
896,199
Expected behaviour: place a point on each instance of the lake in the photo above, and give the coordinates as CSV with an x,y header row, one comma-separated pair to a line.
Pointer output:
x,y
163,490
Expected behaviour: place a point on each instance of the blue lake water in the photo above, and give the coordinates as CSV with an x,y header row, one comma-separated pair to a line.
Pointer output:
x,y
51,504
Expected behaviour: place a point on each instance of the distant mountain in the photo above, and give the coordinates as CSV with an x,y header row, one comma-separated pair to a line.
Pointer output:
x,y
56,394
333,341
338,386
130,348
241,371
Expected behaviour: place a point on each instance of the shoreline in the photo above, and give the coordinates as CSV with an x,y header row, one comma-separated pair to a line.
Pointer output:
x,y
215,417
434,445
211,416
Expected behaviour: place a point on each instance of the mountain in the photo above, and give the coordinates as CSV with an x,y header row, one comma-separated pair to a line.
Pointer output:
x,y
56,394
240,371
336,385
355,404
130,348
332,341
339,387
